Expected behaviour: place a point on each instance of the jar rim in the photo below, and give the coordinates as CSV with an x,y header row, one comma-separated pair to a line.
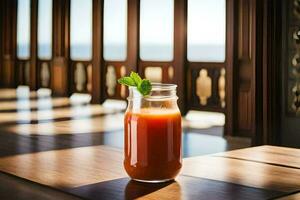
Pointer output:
x,y
156,87
160,86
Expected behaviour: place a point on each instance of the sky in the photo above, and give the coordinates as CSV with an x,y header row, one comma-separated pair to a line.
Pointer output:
x,y
156,29
81,28
206,30
23,28
115,29
45,28
206,27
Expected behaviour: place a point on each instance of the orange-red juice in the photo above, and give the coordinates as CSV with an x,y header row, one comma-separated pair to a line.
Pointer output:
x,y
153,144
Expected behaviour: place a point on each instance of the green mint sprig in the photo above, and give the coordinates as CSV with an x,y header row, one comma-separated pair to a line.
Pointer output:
x,y
143,85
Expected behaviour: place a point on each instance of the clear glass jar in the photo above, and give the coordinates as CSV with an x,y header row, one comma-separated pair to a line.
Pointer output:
x,y
153,134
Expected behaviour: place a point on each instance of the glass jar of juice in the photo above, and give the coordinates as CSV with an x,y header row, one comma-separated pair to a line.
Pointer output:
x,y
153,134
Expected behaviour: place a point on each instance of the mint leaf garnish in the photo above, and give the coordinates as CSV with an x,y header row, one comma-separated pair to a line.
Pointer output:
x,y
126,81
143,85
136,77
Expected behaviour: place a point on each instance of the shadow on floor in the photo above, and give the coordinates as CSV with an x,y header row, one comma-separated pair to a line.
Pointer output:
x,y
186,188
194,143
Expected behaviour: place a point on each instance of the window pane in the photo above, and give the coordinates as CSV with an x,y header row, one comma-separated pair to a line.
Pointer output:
x,y
206,30
45,29
115,30
23,29
156,30
81,29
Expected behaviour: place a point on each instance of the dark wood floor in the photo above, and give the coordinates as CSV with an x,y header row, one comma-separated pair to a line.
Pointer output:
x,y
35,121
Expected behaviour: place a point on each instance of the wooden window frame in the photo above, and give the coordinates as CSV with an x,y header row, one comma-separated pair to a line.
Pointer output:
x,y
132,50
40,61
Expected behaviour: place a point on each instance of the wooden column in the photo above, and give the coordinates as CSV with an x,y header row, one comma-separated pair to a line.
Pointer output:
x,y
97,93
256,79
244,73
59,70
133,35
270,17
278,121
1,40
245,112
180,31
230,64
33,44
8,45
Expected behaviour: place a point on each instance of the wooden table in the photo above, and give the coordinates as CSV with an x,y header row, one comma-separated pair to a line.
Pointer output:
x,y
265,172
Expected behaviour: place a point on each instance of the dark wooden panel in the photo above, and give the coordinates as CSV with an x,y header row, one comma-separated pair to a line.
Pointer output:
x,y
246,68
245,106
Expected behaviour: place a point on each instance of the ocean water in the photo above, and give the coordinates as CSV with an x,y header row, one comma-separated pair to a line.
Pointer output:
x,y
195,53
44,51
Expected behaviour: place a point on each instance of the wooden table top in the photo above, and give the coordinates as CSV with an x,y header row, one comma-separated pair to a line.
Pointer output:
x,y
96,172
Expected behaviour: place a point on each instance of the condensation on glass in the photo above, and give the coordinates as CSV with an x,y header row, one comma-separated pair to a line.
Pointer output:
x,y
23,29
45,10
157,30
115,30
206,33
81,29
